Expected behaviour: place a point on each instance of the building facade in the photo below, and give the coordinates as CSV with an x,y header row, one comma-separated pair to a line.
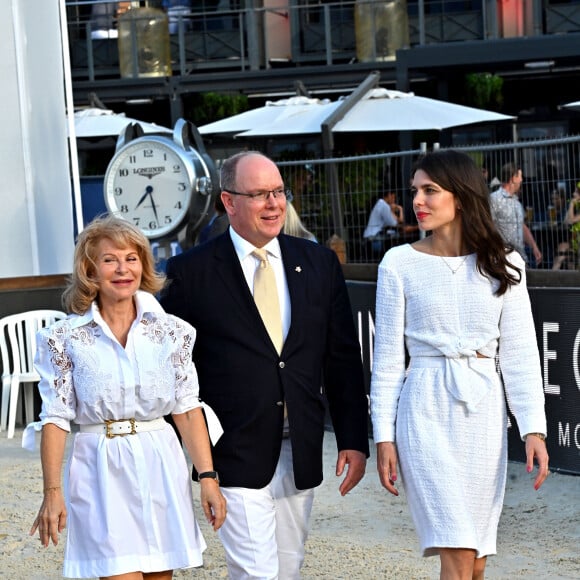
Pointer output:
x,y
520,57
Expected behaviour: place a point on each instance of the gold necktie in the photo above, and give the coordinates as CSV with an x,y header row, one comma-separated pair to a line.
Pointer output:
x,y
266,298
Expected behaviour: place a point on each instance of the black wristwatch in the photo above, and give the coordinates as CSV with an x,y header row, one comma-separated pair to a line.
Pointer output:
x,y
209,475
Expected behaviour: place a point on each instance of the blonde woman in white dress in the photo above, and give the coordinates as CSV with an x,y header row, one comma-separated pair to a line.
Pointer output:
x,y
116,366
452,301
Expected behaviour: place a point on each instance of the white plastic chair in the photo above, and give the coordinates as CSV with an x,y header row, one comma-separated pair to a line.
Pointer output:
x,y
18,347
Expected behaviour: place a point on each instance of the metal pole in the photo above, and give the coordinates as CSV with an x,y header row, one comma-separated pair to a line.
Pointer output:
x,y
72,141
421,10
328,147
327,34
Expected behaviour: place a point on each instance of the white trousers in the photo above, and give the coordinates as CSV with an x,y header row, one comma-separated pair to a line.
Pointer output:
x,y
266,529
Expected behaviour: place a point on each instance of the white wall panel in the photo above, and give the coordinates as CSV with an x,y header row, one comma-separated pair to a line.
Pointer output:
x,y
36,217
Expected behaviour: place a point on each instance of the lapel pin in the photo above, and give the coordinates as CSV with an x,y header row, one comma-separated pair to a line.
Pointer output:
x,y
298,269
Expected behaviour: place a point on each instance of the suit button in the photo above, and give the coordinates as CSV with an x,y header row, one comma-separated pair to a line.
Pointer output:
x,y
281,364
280,403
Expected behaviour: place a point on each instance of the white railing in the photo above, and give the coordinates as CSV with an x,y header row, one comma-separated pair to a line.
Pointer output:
x,y
309,32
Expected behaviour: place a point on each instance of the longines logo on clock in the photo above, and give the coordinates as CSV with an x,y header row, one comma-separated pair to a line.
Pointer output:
x,y
149,171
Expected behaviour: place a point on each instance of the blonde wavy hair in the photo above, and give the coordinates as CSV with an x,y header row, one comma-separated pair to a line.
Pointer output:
x,y
83,288
293,225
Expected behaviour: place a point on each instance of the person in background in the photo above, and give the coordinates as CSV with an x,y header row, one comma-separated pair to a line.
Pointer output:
x,y
305,187
453,301
493,182
177,9
508,213
104,16
569,246
115,366
384,220
558,202
217,225
275,344
293,225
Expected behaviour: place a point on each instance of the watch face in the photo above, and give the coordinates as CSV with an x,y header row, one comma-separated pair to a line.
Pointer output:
x,y
149,183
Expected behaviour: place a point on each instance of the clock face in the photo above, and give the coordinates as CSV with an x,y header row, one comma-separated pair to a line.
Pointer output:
x,y
149,183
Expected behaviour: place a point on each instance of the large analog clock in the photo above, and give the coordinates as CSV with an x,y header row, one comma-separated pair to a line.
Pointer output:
x,y
149,182
160,183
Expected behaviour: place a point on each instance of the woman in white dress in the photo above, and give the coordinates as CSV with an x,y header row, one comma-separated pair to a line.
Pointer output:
x,y
116,366
453,301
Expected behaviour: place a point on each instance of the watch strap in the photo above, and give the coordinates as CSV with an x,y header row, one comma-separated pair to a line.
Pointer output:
x,y
208,475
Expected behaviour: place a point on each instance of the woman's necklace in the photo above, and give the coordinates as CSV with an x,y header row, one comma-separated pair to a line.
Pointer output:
x,y
454,270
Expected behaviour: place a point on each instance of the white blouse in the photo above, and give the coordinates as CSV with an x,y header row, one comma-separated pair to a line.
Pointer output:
x,y
88,377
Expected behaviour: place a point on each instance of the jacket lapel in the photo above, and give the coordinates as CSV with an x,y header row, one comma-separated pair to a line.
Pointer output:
x,y
297,278
235,286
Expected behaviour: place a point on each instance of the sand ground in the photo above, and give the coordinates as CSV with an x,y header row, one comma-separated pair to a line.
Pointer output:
x,y
366,535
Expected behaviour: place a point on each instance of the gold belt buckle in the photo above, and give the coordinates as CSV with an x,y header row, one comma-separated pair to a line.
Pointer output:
x,y
109,433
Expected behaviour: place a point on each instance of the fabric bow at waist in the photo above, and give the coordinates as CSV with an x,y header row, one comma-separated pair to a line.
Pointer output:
x,y
467,377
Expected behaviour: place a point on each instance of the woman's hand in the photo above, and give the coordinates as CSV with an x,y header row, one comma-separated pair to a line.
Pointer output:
x,y
387,465
536,448
51,518
193,431
213,503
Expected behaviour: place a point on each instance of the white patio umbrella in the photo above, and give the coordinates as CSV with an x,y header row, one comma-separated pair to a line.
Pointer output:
x,y
575,106
385,110
95,122
380,110
295,121
273,112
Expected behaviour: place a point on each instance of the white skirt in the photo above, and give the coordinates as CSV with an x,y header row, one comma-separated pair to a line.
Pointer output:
x,y
453,462
130,506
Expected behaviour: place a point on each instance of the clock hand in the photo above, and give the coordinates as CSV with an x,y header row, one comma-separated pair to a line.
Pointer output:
x,y
153,204
148,191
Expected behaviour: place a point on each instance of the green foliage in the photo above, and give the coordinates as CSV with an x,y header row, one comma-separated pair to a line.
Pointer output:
x,y
484,90
575,237
203,108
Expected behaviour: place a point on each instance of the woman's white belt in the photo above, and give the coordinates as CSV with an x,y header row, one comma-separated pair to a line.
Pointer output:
x,y
124,427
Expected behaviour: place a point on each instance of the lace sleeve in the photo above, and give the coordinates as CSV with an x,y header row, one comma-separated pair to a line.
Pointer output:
x,y
53,363
186,381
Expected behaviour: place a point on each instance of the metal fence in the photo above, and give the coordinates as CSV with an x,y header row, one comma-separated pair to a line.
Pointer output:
x,y
551,169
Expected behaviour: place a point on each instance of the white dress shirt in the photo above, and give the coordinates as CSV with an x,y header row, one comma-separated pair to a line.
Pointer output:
x,y
249,264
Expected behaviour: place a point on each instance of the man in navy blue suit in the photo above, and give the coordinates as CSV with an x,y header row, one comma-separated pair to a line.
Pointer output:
x,y
271,399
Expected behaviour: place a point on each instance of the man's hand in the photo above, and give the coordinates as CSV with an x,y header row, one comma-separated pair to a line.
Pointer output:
x,y
357,462
398,212
213,503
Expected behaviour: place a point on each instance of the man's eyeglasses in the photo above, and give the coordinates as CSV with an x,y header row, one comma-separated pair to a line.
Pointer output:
x,y
264,195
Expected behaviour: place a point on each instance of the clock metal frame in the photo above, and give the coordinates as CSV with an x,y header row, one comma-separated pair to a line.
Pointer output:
x,y
157,212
